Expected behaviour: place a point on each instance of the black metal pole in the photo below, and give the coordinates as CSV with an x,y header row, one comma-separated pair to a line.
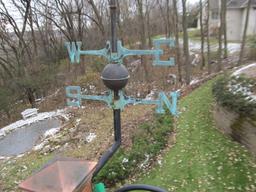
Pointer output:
x,y
140,188
116,112
112,6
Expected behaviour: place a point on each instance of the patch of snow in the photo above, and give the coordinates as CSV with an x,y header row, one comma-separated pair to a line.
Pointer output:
x,y
90,137
142,165
51,132
39,146
84,90
21,123
39,100
91,87
77,122
125,160
194,81
2,158
196,60
172,78
20,155
237,88
29,113
196,46
239,71
150,96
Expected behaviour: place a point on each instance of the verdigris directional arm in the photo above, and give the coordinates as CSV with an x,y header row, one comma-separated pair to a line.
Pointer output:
x,y
124,52
74,51
157,52
162,101
74,97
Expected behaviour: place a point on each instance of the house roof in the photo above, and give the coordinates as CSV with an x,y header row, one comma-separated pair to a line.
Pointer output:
x,y
238,4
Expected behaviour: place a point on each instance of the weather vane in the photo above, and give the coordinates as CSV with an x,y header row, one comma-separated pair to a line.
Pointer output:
x,y
75,174
115,76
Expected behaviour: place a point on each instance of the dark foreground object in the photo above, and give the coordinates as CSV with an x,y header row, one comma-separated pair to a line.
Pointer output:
x,y
140,188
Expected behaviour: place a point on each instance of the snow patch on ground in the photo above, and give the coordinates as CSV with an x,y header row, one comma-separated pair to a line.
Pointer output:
x,y
89,138
51,132
196,46
40,146
238,88
194,81
34,119
239,71
151,95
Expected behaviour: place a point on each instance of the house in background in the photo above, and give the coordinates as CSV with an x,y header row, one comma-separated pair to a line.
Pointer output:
x,y
235,18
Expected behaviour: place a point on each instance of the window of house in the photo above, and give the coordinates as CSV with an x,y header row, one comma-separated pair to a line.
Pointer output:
x,y
215,15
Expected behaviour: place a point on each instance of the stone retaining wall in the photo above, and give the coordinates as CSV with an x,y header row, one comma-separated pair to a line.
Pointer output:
x,y
241,129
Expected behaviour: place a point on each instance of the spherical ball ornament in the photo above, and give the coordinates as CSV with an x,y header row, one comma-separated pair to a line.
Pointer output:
x,y
115,76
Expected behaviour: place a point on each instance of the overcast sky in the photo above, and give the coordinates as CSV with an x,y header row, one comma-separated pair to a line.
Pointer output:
x,y
193,1
17,16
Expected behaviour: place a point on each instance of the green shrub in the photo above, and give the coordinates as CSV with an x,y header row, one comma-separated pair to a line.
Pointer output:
x,y
235,93
148,140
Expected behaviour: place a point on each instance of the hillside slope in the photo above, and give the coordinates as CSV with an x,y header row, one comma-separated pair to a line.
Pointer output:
x,y
203,159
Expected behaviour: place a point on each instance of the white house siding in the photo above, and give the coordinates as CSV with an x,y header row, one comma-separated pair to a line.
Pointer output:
x,y
234,24
251,30
213,23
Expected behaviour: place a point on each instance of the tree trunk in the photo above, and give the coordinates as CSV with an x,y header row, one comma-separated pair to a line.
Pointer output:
x,y
202,35
176,32
185,42
208,38
244,34
142,36
225,28
99,18
168,18
219,63
148,26
31,97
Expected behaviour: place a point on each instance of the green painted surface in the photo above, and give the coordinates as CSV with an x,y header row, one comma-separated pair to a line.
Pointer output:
x,y
99,187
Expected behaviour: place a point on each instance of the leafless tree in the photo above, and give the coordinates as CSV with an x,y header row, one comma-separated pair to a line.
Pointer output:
x,y
185,43
177,38
245,32
220,35
208,37
142,33
202,34
224,16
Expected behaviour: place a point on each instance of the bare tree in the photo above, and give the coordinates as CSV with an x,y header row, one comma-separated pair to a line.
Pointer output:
x,y
185,43
208,37
202,35
220,33
21,50
224,16
99,17
168,18
245,32
142,35
176,32
149,6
